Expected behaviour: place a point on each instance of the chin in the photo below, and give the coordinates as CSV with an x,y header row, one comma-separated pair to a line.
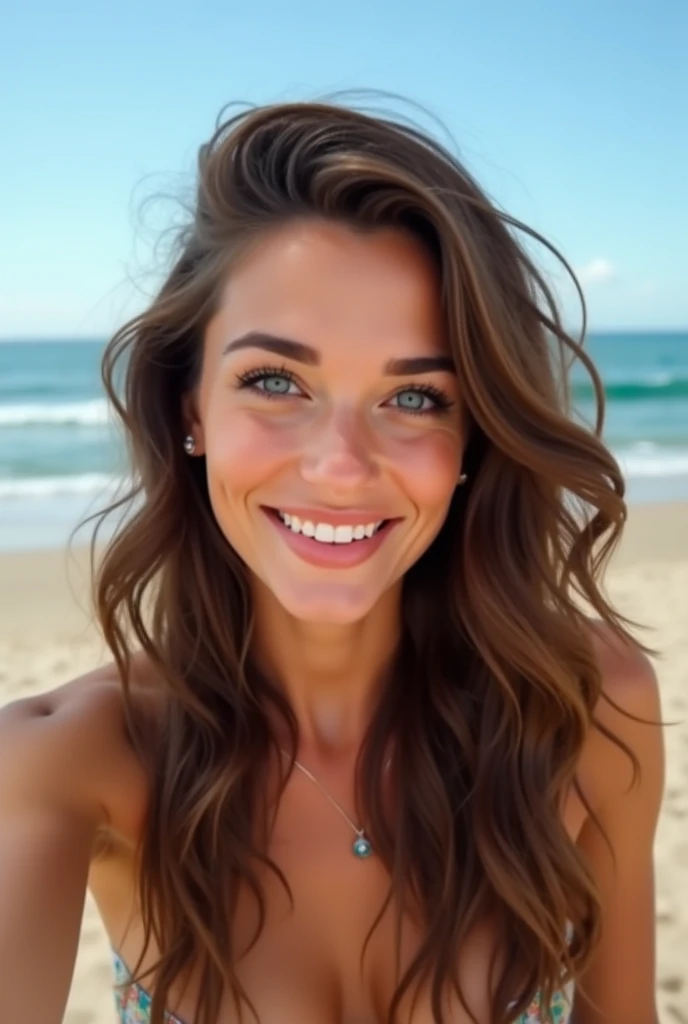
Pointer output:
x,y
333,604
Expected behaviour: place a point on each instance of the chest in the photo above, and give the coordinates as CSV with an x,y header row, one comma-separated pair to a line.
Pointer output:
x,y
307,966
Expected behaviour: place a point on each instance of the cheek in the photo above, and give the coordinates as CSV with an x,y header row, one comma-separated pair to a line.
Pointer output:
x,y
429,469
242,451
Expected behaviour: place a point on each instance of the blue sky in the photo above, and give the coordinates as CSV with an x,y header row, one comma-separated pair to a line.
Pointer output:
x,y
573,116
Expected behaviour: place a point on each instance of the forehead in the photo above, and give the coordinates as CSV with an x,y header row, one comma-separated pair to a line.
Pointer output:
x,y
330,286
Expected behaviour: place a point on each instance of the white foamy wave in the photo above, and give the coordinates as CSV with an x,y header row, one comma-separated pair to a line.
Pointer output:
x,y
647,459
92,413
51,486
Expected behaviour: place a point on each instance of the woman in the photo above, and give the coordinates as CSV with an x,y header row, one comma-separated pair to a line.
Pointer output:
x,y
360,754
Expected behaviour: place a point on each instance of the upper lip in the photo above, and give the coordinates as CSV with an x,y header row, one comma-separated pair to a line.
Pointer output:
x,y
344,517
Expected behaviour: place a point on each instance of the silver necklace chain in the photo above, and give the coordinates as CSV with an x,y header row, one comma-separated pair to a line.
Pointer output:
x,y
361,847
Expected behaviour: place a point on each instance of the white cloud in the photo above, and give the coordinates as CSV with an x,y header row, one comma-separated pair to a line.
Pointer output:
x,y
596,271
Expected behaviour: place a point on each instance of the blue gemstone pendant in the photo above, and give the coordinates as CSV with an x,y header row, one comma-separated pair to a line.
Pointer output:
x,y
362,847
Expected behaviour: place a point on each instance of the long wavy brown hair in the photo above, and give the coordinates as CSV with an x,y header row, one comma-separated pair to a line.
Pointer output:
x,y
493,689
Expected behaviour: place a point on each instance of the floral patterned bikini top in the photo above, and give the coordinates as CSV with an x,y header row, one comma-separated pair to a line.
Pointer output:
x,y
133,1002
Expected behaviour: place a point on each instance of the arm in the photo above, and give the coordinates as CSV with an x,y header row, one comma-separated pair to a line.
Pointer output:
x,y
48,820
621,978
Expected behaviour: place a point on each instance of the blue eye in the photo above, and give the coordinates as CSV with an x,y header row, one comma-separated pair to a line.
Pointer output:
x,y
412,400
268,381
279,382
421,399
275,385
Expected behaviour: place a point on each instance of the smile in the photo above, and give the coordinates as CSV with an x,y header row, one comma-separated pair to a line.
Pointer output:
x,y
330,545
328,533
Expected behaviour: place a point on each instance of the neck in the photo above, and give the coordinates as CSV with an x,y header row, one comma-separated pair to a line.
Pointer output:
x,y
332,675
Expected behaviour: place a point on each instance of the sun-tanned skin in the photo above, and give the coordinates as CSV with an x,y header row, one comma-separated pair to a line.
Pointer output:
x,y
346,435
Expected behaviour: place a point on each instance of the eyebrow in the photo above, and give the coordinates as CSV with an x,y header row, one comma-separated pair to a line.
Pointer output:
x,y
301,353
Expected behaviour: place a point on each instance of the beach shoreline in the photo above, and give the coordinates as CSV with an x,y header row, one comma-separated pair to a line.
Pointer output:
x,y
47,638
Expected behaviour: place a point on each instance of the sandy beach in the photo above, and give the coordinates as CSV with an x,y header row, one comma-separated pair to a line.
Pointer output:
x,y
46,639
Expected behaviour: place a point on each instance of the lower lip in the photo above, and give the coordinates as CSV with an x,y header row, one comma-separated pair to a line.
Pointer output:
x,y
335,556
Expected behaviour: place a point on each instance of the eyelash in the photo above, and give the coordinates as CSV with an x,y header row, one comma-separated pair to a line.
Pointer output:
x,y
251,377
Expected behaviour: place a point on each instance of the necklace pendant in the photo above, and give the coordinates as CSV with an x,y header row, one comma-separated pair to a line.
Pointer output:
x,y
362,847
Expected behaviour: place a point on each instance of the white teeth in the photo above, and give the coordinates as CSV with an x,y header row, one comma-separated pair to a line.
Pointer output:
x,y
326,533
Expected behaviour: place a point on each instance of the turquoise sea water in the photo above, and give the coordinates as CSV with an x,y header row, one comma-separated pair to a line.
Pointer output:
x,y
59,454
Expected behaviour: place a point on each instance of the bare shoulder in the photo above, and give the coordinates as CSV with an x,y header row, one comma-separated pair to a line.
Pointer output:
x,y
69,749
628,712
616,842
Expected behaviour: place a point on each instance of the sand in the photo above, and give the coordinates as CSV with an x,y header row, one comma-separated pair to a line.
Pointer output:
x,y
46,639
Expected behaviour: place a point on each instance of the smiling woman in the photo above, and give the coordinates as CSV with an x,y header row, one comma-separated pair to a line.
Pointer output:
x,y
361,521
359,428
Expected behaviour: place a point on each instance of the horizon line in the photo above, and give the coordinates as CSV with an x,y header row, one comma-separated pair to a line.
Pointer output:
x,y
96,339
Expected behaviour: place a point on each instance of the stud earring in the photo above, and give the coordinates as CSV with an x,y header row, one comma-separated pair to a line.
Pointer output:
x,y
189,445
463,478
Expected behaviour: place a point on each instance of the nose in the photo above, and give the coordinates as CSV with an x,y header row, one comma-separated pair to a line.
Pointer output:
x,y
341,454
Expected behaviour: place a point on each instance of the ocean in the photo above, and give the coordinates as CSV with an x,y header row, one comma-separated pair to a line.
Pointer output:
x,y
60,454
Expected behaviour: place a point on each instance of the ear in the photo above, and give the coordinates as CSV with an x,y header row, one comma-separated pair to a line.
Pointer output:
x,y
191,422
